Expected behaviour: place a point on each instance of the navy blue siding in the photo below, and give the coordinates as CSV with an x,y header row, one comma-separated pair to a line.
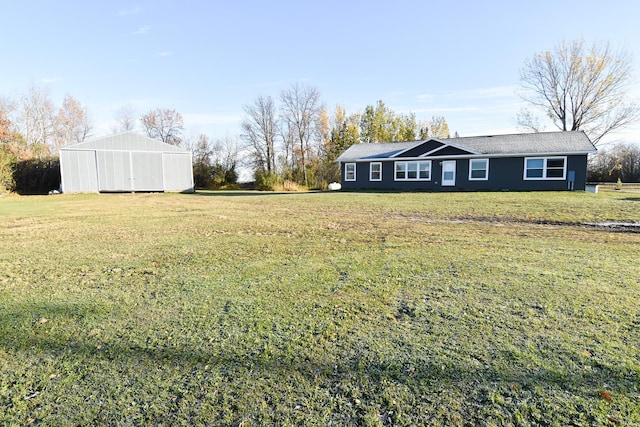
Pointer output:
x,y
505,173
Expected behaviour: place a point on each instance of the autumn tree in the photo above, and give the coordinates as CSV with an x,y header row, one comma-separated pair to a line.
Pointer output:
x,y
437,127
581,87
72,124
407,127
260,131
381,124
11,140
164,124
5,125
340,132
300,113
344,133
7,158
375,123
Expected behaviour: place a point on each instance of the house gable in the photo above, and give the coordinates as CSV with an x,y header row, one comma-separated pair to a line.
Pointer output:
x,y
421,149
450,150
433,147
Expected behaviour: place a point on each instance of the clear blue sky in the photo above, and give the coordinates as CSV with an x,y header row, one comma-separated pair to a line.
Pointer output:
x,y
207,59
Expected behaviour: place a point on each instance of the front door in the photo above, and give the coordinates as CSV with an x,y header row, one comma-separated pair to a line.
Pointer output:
x,y
448,173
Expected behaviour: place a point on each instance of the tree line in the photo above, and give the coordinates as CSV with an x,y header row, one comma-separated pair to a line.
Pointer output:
x,y
618,162
32,129
292,140
292,143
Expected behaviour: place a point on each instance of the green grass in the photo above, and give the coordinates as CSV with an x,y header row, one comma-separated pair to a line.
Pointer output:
x,y
246,309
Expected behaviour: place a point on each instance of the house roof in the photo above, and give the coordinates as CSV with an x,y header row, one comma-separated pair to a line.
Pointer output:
x,y
575,142
126,141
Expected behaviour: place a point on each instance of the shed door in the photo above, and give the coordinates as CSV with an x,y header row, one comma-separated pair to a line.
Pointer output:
x,y
114,171
449,173
147,171
178,172
78,171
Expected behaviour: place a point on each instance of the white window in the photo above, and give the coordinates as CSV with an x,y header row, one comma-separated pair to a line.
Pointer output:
x,y
375,171
545,168
478,169
413,171
349,171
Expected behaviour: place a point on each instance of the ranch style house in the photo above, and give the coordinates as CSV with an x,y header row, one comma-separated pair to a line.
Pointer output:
x,y
519,162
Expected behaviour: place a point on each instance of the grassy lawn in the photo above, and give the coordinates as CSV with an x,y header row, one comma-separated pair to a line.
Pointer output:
x,y
484,309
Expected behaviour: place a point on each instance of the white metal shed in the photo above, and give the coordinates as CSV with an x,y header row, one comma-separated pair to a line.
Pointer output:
x,y
125,162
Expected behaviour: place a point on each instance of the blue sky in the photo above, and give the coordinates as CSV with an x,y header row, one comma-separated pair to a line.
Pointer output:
x,y
207,59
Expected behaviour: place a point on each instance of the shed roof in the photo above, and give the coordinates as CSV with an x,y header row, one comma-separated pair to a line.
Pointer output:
x,y
576,142
126,141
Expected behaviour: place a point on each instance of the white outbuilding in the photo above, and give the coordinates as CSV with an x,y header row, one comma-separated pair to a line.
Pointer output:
x,y
125,162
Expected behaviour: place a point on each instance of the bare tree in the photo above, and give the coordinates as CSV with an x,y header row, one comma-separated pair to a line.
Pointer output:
x,y
225,160
301,113
164,124
72,124
36,117
260,130
527,122
581,87
439,128
125,119
620,161
285,159
200,147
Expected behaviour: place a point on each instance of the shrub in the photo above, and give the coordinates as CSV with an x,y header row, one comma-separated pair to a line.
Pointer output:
x,y
7,162
202,175
37,176
266,181
290,186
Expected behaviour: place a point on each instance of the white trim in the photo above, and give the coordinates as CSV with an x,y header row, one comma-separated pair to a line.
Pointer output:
x,y
545,169
406,170
450,182
346,173
371,171
472,156
486,169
